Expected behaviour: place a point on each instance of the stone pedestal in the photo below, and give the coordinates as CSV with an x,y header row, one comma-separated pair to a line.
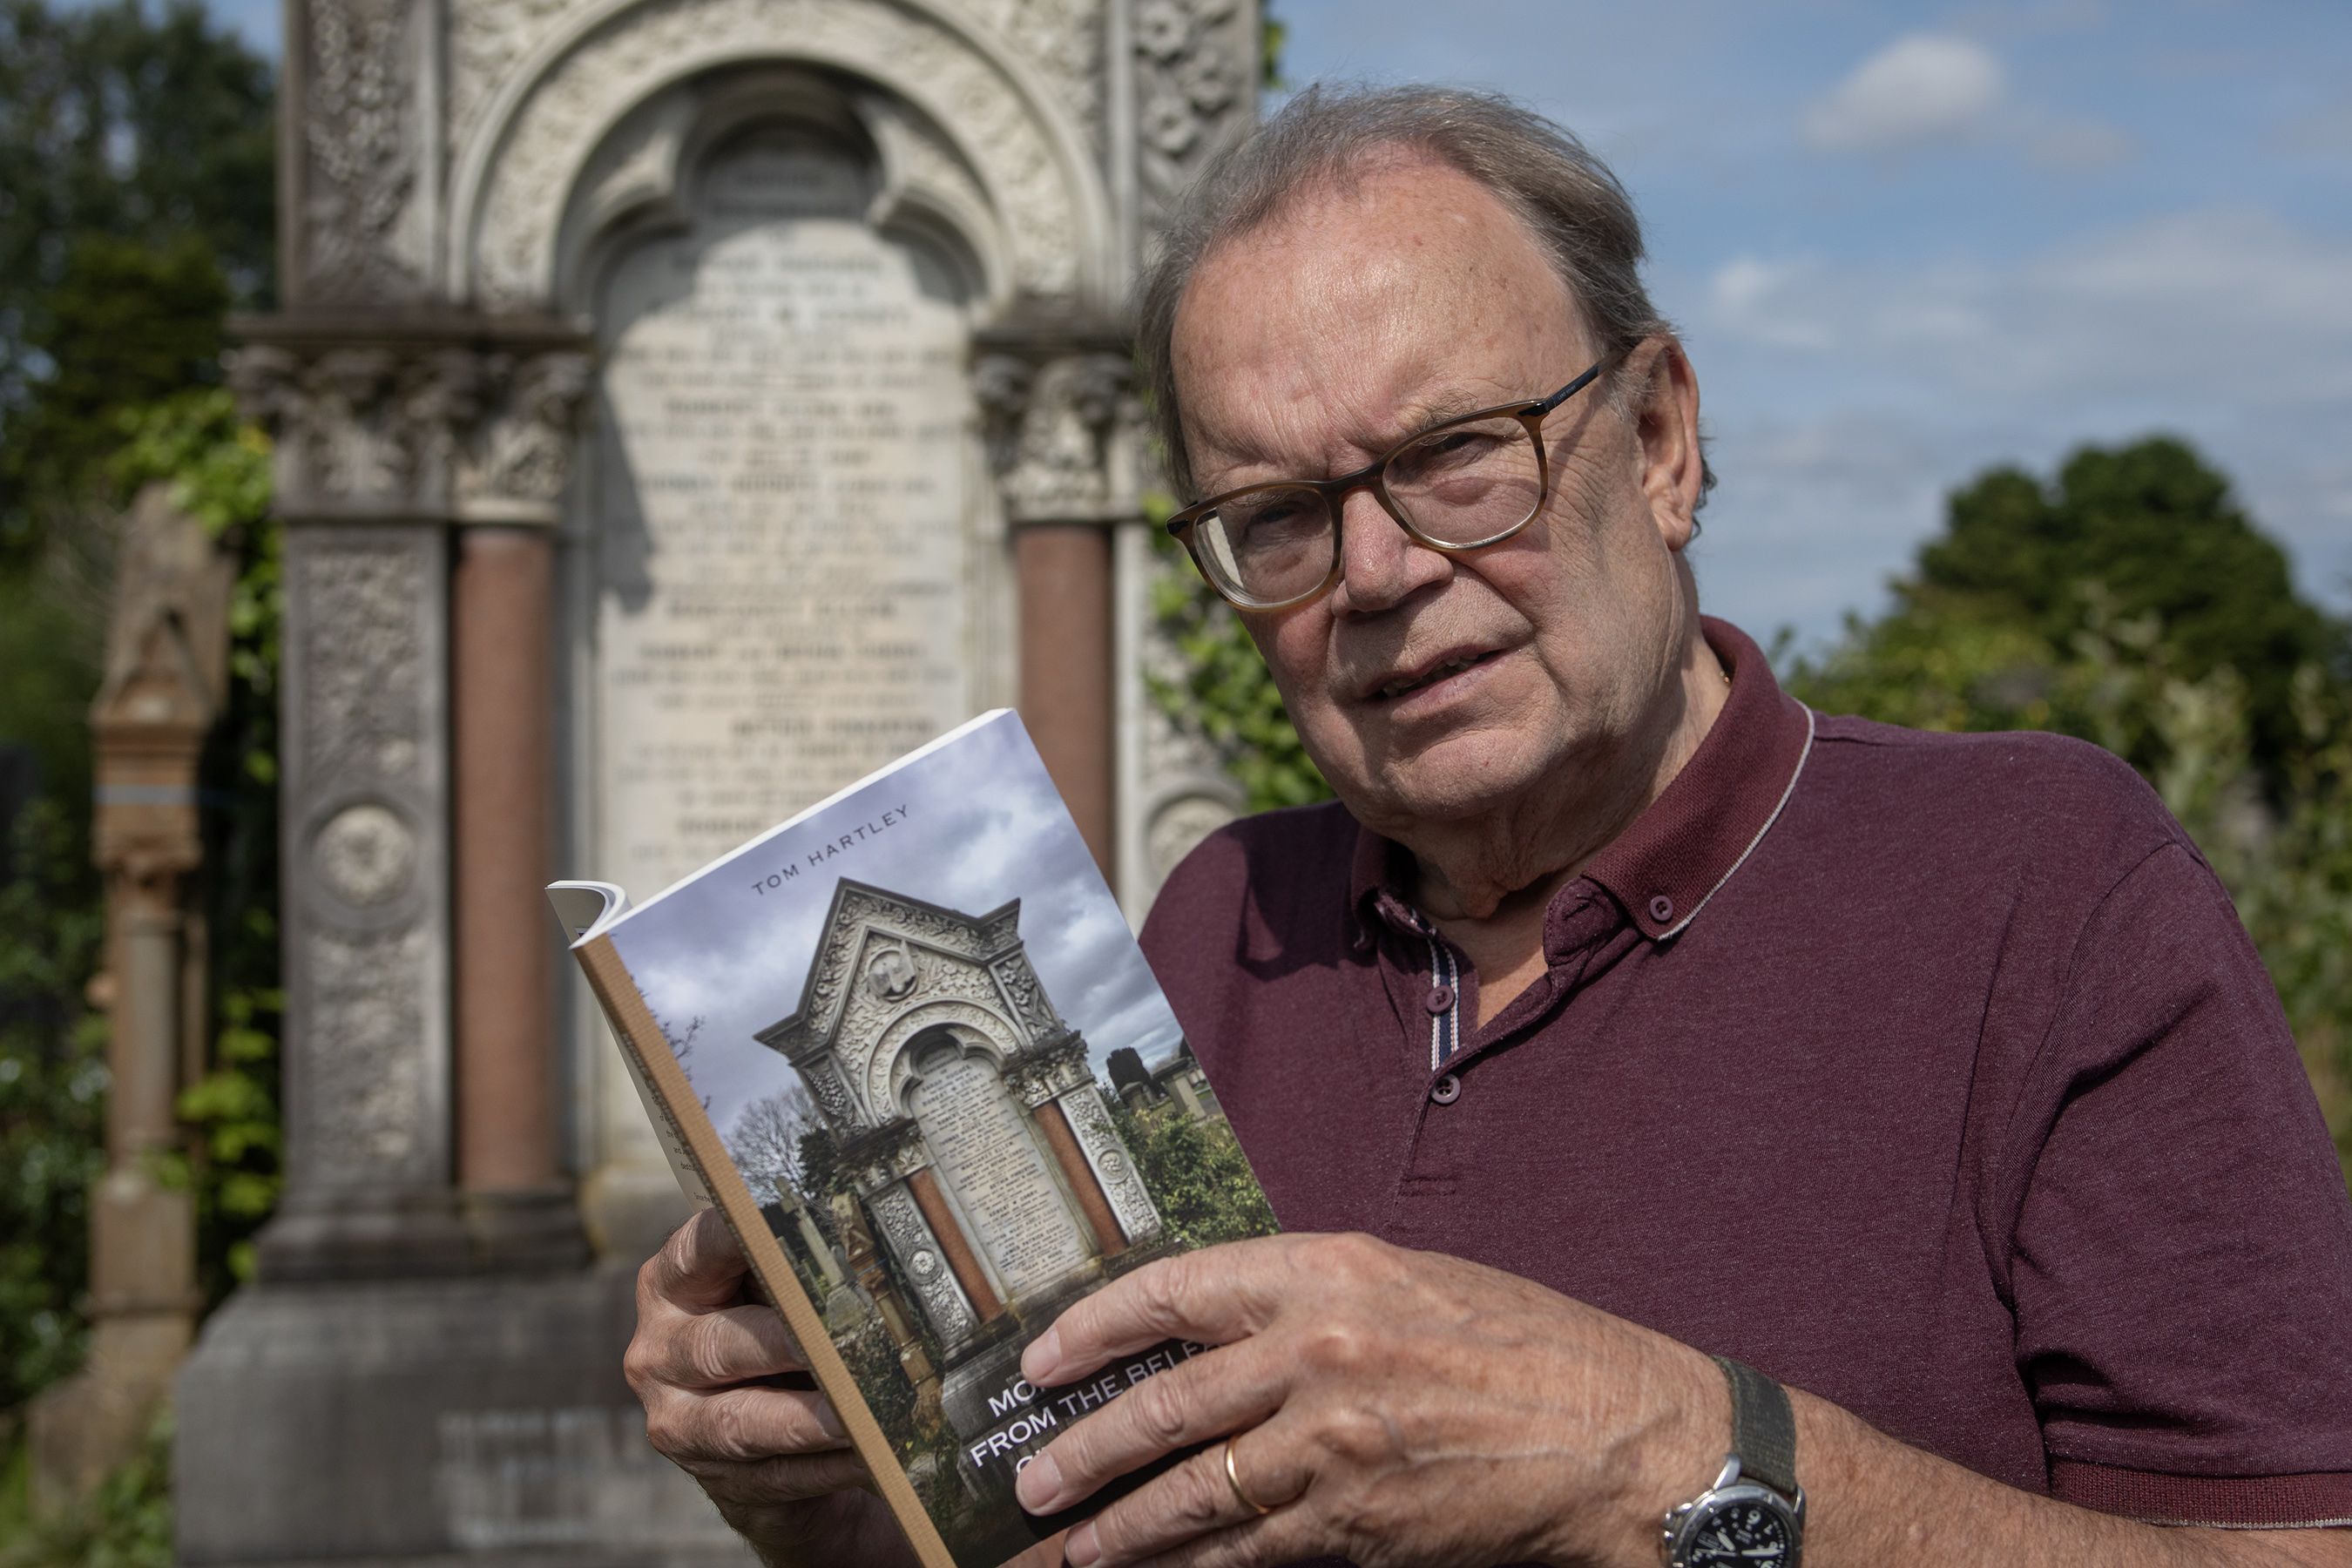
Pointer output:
x,y
166,679
425,1422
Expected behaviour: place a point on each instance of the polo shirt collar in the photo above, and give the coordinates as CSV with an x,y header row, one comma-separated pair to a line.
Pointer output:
x,y
1689,841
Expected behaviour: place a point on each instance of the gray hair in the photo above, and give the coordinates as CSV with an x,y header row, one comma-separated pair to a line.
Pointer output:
x,y
1573,206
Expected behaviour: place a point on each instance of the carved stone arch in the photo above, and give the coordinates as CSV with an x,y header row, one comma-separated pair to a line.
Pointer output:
x,y
640,182
889,1071
515,177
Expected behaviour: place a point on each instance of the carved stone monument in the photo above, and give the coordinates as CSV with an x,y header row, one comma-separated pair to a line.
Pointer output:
x,y
166,681
681,408
971,1125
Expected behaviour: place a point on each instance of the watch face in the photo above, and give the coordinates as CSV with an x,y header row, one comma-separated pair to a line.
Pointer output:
x,y
1741,1535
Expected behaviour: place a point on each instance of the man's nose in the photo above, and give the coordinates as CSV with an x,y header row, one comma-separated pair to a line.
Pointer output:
x,y
1380,564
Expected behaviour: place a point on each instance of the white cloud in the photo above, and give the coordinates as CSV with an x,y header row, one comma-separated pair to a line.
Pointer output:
x,y
2231,302
1921,89
1846,397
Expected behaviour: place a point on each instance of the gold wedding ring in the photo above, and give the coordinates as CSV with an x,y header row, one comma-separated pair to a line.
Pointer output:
x,y
1234,1481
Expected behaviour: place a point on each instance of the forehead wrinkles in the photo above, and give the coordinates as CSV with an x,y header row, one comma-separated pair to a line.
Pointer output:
x,y
1359,314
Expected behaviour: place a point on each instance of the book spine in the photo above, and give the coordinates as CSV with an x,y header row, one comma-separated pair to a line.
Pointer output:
x,y
673,1094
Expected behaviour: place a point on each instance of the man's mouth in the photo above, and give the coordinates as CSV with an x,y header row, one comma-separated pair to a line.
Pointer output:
x,y
1445,669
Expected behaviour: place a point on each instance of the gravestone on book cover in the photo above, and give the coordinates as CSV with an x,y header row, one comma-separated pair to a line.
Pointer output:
x,y
899,1013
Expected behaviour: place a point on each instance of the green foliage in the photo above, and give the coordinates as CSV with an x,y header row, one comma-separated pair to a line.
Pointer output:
x,y
1196,1173
52,1099
125,1524
2015,624
137,192
2154,530
219,468
1223,693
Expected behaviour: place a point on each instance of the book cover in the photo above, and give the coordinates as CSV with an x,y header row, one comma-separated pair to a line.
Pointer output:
x,y
906,1042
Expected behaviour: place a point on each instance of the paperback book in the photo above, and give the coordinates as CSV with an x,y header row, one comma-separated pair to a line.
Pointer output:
x,y
905,1043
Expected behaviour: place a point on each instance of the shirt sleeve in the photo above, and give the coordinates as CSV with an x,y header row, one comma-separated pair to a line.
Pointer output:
x,y
2180,1266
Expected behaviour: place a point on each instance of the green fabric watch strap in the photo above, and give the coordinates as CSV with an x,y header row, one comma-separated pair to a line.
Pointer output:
x,y
1763,1429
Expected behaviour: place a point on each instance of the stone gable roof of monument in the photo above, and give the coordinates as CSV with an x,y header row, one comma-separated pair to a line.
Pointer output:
x,y
976,939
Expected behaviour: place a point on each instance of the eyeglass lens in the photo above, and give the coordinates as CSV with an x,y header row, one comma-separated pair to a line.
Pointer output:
x,y
1463,484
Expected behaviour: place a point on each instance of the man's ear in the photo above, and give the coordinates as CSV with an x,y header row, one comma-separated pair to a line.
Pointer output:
x,y
1667,420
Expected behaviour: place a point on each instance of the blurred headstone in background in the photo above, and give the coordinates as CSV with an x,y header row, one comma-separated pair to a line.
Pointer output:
x,y
681,408
165,683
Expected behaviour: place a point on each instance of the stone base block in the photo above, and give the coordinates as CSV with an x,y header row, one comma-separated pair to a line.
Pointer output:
x,y
449,1423
95,1420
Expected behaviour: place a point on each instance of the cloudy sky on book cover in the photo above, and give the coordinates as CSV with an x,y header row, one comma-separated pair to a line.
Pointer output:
x,y
968,827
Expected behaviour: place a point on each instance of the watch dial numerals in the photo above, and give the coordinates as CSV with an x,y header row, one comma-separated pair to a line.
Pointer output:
x,y
1741,1535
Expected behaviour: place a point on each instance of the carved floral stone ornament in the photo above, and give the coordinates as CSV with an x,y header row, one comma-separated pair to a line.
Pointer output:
x,y
418,424
891,974
365,854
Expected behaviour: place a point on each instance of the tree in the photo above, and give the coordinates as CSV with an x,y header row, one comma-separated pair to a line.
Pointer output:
x,y
768,1140
137,194
2154,530
2116,604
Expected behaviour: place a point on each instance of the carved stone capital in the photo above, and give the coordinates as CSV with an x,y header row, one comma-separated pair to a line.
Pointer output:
x,y
1061,423
416,425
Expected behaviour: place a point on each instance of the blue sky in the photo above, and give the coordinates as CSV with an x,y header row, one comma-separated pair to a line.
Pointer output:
x,y
1907,241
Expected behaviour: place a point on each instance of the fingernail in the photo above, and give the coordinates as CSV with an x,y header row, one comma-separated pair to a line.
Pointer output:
x,y
1079,1550
1043,1354
1039,1483
830,1419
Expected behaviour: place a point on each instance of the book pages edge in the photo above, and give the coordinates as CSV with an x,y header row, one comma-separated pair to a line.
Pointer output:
x,y
633,1023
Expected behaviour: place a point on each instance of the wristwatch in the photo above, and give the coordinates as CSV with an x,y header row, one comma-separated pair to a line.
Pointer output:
x,y
1754,1514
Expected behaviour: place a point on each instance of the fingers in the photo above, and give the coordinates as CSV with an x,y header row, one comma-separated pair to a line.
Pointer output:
x,y
1222,1391
698,1268
1192,1514
780,1478
1215,1296
712,1349
741,1426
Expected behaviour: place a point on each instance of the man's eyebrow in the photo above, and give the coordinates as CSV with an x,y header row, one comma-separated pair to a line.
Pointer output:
x,y
1436,408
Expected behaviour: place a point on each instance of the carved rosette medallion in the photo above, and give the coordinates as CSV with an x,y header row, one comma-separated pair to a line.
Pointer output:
x,y
1114,1167
529,173
365,855
910,1239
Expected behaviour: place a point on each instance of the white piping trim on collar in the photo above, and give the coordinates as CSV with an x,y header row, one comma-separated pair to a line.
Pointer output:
x,y
1794,774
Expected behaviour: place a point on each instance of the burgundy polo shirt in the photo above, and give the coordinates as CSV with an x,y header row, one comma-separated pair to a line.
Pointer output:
x,y
1933,1074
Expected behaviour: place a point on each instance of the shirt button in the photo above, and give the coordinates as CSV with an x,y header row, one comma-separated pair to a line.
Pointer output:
x,y
1662,908
1445,1090
1440,999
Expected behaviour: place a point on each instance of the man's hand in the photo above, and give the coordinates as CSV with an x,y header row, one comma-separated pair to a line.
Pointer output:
x,y
1410,1410
774,1459
1397,1408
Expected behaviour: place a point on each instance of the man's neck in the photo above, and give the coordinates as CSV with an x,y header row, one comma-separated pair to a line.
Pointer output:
x,y
1500,870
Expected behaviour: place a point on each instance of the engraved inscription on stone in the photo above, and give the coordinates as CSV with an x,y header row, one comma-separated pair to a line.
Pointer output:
x,y
781,507
988,1158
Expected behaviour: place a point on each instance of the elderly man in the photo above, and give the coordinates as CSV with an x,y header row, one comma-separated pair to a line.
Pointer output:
x,y
1625,1014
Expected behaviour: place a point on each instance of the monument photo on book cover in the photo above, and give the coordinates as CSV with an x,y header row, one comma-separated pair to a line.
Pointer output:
x,y
918,1022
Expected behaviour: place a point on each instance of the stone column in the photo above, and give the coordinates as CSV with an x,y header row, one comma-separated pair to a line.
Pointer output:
x,y
1065,667
520,1208
166,679
1053,402
1109,1240
393,436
